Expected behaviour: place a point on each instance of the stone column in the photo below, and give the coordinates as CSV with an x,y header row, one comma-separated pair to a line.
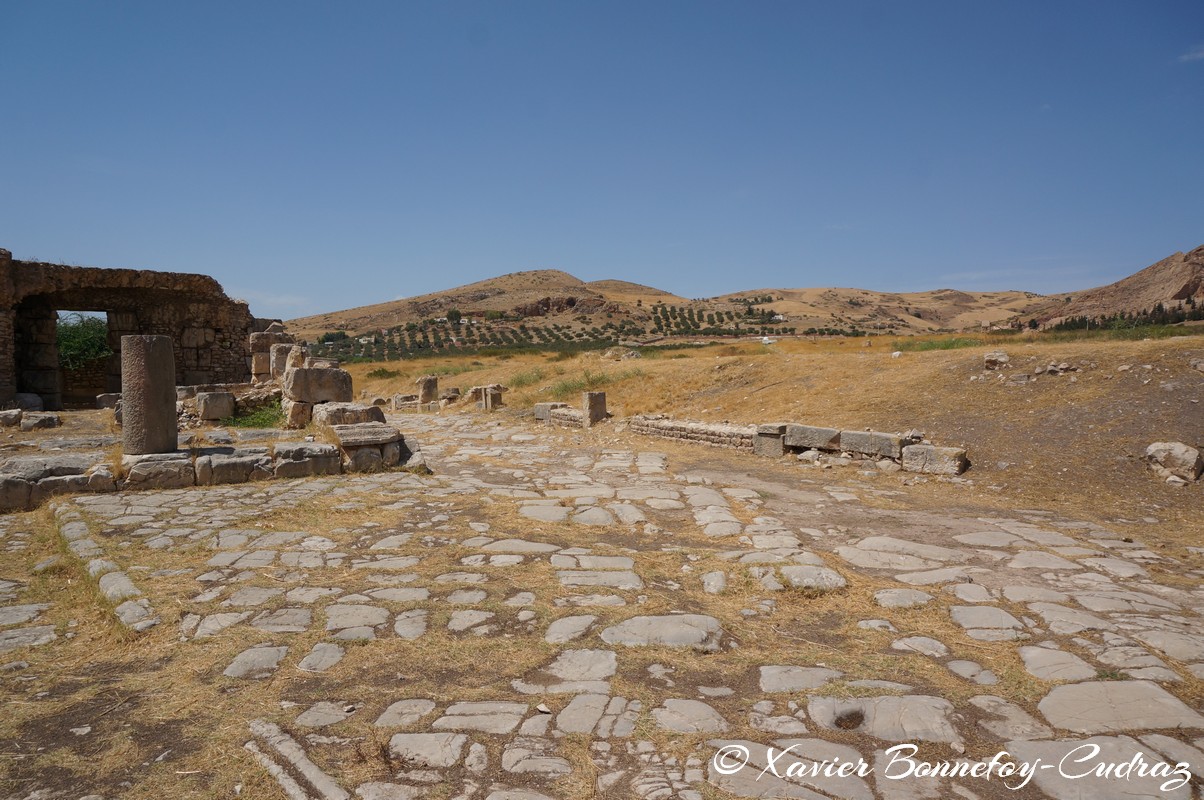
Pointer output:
x,y
428,389
593,408
148,395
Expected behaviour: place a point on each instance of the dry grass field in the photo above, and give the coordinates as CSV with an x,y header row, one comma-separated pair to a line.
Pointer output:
x,y
1072,442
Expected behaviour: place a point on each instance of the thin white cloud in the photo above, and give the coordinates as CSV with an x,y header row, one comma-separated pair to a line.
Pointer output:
x,y
1195,54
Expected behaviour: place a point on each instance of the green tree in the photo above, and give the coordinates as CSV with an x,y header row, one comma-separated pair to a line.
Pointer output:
x,y
81,339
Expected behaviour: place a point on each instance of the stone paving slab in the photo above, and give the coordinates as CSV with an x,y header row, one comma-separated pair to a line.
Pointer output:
x,y
654,611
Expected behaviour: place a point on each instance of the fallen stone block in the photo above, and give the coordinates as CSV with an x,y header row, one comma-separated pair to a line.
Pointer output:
x,y
428,388
262,342
10,418
1168,459
935,460
14,494
159,471
871,443
108,400
365,434
212,470
215,405
303,459
31,421
543,411
312,385
768,440
405,402
995,360
346,414
809,437
296,414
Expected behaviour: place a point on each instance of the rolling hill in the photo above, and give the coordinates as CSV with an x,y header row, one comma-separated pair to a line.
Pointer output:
x,y
552,307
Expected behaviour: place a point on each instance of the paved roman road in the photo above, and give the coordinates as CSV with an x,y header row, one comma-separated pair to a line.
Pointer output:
x,y
562,613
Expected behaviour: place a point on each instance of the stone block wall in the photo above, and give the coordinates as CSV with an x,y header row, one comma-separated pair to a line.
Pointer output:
x,y
209,331
777,439
739,437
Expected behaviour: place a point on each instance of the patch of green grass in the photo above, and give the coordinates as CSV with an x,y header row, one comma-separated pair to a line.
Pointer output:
x,y
1122,334
525,378
950,343
269,416
590,382
381,372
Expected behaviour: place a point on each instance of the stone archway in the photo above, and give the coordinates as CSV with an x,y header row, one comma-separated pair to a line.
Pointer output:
x,y
209,331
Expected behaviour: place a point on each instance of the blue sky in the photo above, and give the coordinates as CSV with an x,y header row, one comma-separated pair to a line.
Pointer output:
x,y
317,156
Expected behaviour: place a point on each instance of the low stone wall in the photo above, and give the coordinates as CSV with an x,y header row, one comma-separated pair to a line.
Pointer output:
x,y
811,443
565,417
28,481
739,437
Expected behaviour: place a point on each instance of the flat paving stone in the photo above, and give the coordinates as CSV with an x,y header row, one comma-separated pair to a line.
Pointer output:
x,y
909,718
545,513
464,619
34,636
983,617
774,679
973,671
924,645
17,615
1055,665
1076,779
435,750
484,717
350,615
688,716
322,657
284,620
404,713
743,769
256,662
1108,706
697,631
614,580
566,629
820,579
324,713
901,598
1007,720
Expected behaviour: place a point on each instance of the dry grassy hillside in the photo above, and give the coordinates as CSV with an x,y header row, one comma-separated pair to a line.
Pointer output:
x,y
558,299
1070,442
494,294
1173,279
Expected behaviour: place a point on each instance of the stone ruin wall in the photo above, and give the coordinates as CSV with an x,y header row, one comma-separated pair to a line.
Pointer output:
x,y
209,331
777,439
739,437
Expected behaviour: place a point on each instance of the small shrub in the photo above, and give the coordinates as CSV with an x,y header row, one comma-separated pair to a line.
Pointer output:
x,y
269,416
381,372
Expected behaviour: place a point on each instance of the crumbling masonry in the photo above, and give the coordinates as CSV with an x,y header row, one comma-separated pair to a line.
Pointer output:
x,y
209,331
